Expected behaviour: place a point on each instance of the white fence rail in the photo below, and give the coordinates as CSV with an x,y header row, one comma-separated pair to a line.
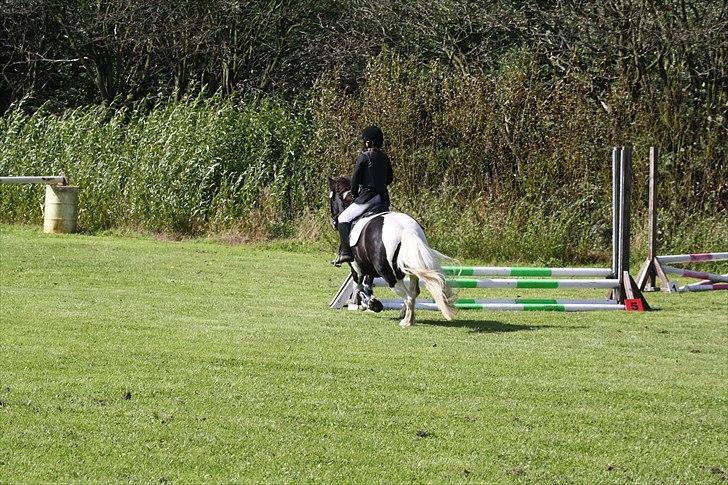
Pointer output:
x,y
46,179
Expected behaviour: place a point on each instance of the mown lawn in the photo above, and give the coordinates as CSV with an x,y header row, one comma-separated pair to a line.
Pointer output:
x,y
132,359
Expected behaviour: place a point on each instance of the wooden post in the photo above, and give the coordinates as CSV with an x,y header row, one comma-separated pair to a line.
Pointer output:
x,y
651,269
652,214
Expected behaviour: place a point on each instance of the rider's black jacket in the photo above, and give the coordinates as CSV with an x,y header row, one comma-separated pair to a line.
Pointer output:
x,y
372,175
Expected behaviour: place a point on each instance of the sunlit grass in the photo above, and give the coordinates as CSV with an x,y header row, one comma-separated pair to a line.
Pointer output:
x,y
136,359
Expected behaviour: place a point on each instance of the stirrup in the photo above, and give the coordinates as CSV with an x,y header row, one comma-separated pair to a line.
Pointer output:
x,y
341,259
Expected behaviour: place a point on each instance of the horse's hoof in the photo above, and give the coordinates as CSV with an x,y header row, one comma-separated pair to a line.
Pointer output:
x,y
405,324
375,305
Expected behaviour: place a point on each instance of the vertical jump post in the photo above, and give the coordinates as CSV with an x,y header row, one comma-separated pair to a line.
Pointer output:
x,y
625,190
628,289
615,211
651,269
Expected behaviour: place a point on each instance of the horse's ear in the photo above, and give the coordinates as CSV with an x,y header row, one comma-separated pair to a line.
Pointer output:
x,y
331,182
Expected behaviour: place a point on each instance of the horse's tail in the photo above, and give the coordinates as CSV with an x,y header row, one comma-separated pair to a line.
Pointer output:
x,y
418,259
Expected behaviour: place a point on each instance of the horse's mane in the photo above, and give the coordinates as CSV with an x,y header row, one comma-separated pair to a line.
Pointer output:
x,y
342,184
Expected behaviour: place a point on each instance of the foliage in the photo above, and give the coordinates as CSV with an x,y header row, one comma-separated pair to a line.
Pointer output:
x,y
226,116
66,50
499,166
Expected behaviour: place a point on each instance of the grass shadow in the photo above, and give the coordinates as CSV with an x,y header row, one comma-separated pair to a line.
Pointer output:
x,y
484,326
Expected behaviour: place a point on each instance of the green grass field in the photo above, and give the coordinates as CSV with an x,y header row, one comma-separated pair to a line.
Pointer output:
x,y
133,359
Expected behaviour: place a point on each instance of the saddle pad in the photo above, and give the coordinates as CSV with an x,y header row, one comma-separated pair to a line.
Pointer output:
x,y
360,225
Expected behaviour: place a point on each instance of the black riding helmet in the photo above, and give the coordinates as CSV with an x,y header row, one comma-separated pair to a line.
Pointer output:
x,y
373,134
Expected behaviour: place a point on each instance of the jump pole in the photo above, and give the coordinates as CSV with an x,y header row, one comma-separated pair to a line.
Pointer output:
x,y
693,258
520,283
514,305
517,271
45,179
704,275
705,287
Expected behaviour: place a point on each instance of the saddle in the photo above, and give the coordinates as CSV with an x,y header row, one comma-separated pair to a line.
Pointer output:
x,y
358,224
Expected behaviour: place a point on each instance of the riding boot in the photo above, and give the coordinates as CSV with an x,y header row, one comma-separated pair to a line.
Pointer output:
x,y
345,254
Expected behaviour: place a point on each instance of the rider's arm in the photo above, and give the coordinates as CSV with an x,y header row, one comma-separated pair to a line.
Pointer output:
x,y
358,175
390,173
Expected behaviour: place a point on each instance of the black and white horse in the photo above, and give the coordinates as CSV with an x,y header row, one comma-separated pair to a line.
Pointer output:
x,y
392,245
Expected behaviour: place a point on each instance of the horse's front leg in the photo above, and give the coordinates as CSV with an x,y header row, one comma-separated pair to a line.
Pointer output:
x,y
359,294
373,304
363,294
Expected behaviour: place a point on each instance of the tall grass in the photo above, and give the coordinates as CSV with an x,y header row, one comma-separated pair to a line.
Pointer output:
x,y
507,165
189,167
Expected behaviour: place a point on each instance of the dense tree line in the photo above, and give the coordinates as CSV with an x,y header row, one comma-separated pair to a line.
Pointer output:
x,y
79,52
215,115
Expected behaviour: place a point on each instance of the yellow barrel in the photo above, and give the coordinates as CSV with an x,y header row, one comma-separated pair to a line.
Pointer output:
x,y
61,209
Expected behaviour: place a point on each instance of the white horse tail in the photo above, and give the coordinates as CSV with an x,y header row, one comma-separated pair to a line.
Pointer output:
x,y
418,259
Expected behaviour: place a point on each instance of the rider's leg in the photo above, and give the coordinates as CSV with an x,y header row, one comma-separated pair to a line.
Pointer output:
x,y
344,226
345,254
355,210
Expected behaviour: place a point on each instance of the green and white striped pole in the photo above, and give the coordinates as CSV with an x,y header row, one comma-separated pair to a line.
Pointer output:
x,y
515,305
518,271
520,283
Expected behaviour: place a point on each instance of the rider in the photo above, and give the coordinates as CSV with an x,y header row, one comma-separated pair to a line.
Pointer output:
x,y
372,175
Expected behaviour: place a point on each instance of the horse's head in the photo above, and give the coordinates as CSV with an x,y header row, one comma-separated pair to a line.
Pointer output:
x,y
339,197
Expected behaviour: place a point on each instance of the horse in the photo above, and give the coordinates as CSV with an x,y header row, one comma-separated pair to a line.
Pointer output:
x,y
392,245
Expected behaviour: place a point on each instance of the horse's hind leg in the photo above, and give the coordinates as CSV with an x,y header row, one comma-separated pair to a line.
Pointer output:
x,y
413,293
415,286
414,290
408,295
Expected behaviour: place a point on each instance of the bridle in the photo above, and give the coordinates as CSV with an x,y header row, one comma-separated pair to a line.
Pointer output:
x,y
335,208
